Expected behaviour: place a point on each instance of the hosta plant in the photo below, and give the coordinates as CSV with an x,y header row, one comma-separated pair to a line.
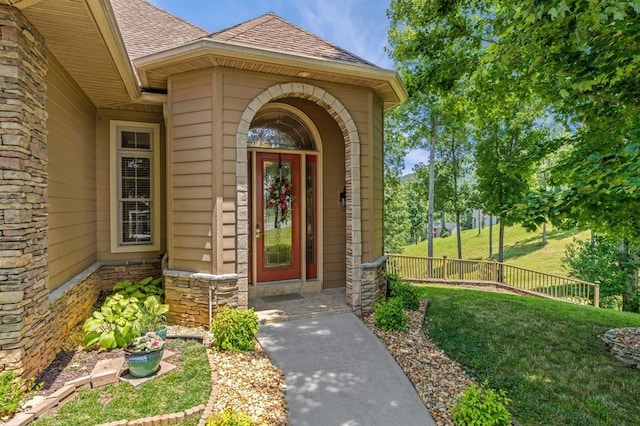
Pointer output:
x,y
115,324
140,289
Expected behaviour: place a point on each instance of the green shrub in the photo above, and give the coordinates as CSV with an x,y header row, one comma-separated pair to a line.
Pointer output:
x,y
234,329
389,315
230,417
481,405
140,289
400,289
13,391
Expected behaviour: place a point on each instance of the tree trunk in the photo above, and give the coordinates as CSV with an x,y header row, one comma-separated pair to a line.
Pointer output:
x,y
500,251
432,183
629,259
490,236
544,233
459,241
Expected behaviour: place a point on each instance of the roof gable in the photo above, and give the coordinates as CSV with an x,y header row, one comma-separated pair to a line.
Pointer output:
x,y
147,29
271,32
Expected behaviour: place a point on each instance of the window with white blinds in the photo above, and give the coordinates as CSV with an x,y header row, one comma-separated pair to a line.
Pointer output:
x,y
134,212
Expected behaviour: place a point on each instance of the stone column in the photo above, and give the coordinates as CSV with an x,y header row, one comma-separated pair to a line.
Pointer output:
x,y
24,302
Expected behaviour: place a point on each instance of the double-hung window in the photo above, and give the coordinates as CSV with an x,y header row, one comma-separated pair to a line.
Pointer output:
x,y
135,192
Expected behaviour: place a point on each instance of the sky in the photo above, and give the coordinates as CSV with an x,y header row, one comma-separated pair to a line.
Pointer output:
x,y
359,26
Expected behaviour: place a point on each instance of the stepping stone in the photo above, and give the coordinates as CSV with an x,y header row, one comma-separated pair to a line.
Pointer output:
x,y
106,372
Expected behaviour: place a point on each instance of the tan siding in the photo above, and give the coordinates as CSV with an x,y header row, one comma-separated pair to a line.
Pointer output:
x,y
378,180
192,172
72,179
104,181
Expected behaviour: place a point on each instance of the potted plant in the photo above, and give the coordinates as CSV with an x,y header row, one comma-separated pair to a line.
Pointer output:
x,y
143,354
152,316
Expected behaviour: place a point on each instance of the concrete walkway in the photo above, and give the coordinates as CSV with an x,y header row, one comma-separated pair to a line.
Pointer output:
x,y
338,373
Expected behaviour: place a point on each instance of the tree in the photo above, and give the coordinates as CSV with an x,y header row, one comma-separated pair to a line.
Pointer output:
x,y
417,119
396,215
509,137
579,57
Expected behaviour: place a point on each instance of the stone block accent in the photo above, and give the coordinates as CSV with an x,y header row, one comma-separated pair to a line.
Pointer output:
x,y
374,283
620,342
25,317
193,297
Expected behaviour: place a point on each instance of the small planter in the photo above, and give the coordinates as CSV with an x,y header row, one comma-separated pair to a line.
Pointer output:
x,y
143,364
144,354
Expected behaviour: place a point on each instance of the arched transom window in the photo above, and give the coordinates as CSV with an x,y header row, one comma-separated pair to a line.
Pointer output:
x,y
279,128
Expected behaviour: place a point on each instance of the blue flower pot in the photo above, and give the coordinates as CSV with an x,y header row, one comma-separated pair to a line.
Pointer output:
x,y
162,333
143,364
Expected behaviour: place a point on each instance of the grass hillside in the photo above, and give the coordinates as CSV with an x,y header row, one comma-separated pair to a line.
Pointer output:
x,y
522,248
548,356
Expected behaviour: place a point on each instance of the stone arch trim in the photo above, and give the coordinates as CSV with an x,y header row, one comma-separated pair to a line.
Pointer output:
x,y
347,125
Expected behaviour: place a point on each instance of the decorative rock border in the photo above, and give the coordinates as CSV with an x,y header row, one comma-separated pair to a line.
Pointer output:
x,y
620,349
65,393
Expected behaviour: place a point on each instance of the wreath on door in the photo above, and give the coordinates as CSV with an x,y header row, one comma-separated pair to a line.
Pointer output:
x,y
280,197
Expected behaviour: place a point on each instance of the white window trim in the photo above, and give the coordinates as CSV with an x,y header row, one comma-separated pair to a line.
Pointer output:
x,y
114,174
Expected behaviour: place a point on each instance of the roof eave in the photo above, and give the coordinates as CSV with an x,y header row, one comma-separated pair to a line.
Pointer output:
x,y
107,25
242,52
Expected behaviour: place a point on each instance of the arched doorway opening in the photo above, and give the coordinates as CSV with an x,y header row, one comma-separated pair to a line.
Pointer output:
x,y
284,157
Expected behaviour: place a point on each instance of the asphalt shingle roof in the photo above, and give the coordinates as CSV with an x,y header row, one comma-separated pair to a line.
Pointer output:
x,y
147,29
271,32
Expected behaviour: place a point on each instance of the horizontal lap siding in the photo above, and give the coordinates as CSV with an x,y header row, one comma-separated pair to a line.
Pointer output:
x,y
239,89
72,179
192,173
378,181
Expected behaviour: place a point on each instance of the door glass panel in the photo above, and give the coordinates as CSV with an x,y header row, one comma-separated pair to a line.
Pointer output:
x,y
310,217
278,197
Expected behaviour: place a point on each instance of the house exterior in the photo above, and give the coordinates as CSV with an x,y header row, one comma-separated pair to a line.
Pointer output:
x,y
238,163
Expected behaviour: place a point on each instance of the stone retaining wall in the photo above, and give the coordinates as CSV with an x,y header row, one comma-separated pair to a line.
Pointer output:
x,y
189,296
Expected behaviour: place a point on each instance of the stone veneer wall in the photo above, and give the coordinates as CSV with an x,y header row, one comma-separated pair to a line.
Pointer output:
x,y
25,318
189,296
374,283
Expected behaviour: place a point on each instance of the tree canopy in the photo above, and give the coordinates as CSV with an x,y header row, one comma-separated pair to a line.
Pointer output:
x,y
580,59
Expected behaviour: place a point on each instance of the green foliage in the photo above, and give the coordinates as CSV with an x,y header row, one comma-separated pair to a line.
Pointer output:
x,y
578,58
230,417
152,316
140,289
445,233
389,315
115,324
403,291
482,406
234,329
14,391
133,307
609,261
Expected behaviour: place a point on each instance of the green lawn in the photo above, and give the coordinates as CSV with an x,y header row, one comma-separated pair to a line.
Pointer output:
x,y
547,355
522,248
183,388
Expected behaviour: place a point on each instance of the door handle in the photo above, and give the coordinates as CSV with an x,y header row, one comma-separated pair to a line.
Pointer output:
x,y
258,233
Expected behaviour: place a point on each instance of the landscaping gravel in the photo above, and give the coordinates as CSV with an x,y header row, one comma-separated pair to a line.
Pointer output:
x,y
437,379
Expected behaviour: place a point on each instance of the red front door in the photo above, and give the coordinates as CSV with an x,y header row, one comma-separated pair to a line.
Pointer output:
x,y
277,226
